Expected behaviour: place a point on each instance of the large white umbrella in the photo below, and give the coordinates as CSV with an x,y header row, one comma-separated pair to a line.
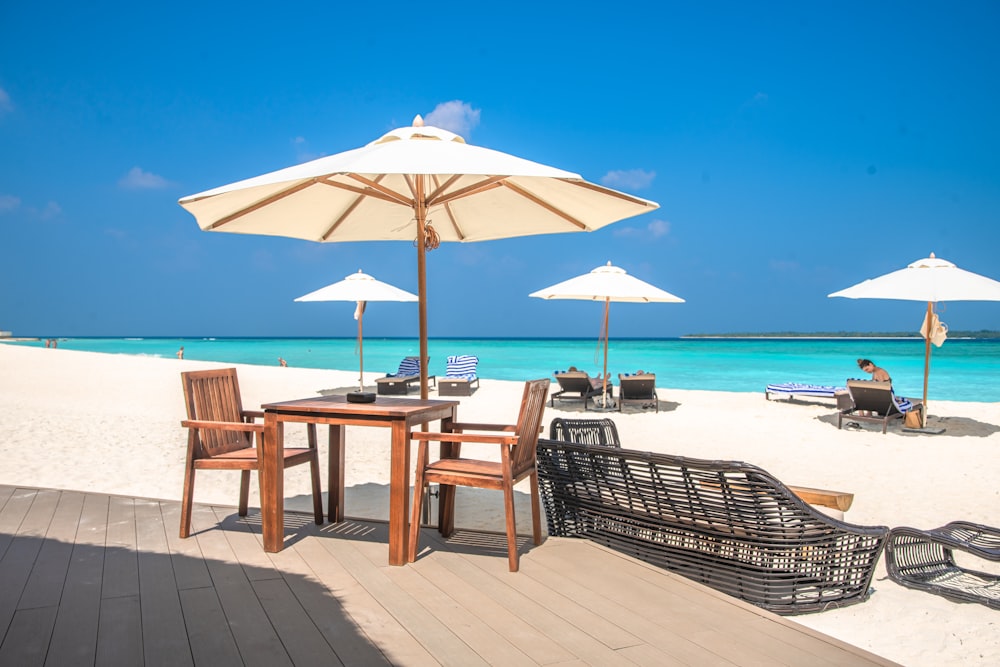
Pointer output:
x,y
932,280
360,288
419,184
607,283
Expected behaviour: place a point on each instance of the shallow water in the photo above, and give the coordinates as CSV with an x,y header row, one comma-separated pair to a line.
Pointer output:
x,y
961,369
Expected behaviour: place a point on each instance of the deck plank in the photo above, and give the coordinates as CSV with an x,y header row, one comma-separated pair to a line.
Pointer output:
x,y
97,579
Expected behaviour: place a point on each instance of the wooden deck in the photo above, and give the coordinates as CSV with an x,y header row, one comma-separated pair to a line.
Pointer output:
x,y
97,579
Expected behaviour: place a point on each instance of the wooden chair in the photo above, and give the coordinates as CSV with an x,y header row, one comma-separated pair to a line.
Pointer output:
x,y
639,389
517,461
221,437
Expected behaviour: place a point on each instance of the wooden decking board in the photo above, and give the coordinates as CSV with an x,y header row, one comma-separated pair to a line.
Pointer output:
x,y
211,643
396,602
451,575
119,635
121,562
130,592
303,641
257,641
527,595
28,637
74,636
164,638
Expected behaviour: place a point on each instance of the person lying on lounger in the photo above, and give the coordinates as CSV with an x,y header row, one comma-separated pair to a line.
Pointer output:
x,y
878,374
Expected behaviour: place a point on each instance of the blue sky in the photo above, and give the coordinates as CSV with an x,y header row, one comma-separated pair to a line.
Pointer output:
x,y
794,148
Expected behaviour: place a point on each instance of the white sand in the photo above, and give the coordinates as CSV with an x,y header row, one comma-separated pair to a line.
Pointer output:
x,y
110,424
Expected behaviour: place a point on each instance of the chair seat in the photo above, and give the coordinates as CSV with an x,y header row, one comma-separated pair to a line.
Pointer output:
x,y
247,459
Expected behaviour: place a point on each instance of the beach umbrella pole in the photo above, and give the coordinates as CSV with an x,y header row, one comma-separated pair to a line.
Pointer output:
x,y
361,350
927,361
604,388
421,211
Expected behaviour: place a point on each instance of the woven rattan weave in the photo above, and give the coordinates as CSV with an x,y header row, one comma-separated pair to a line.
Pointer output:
x,y
925,560
726,524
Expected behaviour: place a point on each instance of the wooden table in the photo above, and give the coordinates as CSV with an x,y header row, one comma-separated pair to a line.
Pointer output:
x,y
399,414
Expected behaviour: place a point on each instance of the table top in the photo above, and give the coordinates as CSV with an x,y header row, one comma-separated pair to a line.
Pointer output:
x,y
384,406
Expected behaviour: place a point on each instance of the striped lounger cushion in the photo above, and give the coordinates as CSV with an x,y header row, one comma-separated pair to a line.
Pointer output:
x,y
801,389
408,366
462,366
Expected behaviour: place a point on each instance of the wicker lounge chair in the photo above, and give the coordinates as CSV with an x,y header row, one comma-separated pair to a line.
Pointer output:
x,y
638,388
726,524
400,381
460,376
585,431
924,559
578,386
875,402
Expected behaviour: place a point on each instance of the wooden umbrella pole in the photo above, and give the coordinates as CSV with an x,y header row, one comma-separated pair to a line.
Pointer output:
x,y
361,348
604,388
927,359
421,212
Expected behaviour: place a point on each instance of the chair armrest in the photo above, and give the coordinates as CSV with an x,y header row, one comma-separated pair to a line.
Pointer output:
x,y
253,414
466,437
467,426
223,426
835,499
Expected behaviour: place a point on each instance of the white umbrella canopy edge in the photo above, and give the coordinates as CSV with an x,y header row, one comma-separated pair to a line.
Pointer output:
x,y
360,288
607,283
931,280
417,184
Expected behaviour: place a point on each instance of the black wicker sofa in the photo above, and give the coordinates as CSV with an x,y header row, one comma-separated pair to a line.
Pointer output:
x,y
726,524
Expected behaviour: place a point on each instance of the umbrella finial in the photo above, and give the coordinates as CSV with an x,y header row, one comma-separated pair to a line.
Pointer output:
x,y
933,255
418,121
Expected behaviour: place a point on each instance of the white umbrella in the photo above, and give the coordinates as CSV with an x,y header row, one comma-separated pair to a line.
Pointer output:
x,y
607,283
418,184
930,279
361,288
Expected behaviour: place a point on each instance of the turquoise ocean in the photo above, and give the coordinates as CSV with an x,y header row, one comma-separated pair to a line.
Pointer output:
x,y
961,369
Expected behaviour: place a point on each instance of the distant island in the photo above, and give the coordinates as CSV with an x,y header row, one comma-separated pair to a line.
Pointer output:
x,y
983,334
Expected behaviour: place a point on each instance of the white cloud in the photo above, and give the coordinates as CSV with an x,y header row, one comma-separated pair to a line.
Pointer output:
x,y
9,203
50,211
659,228
456,116
137,179
631,179
5,103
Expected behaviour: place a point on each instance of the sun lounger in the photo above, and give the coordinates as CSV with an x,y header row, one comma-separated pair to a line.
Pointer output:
x,y
638,388
578,386
460,376
400,381
875,402
924,559
793,389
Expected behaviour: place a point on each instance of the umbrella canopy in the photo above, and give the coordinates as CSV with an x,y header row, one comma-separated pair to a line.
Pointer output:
x,y
607,283
932,280
360,288
418,184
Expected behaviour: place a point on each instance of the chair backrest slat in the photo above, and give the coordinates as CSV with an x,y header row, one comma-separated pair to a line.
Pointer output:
x,y
214,395
529,424
585,431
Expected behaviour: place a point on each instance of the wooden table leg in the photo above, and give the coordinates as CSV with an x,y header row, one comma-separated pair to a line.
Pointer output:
x,y
399,492
335,474
272,484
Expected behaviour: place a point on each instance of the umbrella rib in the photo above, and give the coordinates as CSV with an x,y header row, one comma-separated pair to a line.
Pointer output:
x,y
607,191
278,196
350,209
440,197
441,187
544,204
374,189
455,227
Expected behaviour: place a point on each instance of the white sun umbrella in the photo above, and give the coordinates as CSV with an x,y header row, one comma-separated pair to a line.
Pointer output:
x,y
360,288
932,280
418,184
607,283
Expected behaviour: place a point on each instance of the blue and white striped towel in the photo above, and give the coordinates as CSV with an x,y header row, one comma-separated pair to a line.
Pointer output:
x,y
462,366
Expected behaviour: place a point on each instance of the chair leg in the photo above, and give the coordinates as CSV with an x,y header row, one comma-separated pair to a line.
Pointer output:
x,y
187,498
419,487
508,503
244,491
536,513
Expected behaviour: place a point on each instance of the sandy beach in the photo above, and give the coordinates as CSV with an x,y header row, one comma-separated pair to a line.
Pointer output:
x,y
111,424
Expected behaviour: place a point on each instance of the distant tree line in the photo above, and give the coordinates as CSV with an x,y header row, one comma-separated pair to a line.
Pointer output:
x,y
982,333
